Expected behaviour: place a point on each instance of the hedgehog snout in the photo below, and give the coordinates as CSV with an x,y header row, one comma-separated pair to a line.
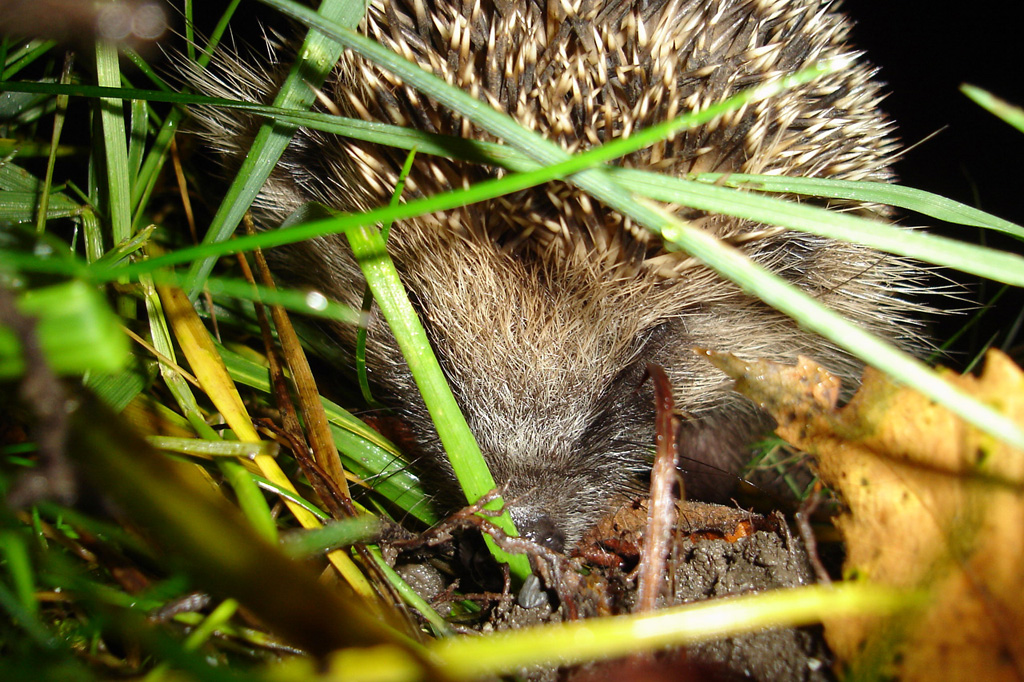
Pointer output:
x,y
538,527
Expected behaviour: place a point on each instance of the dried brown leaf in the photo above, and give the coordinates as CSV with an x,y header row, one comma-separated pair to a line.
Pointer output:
x,y
932,502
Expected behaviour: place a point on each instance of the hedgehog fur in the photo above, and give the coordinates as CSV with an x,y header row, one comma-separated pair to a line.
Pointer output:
x,y
543,306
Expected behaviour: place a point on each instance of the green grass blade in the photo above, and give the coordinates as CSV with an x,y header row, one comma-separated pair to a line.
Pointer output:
x,y
984,262
1010,113
462,449
108,74
364,451
643,182
908,198
320,54
76,329
574,642
803,308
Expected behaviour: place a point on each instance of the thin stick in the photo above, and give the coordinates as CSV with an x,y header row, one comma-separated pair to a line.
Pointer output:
x,y
661,513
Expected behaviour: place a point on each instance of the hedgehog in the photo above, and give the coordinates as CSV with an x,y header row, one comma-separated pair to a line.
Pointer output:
x,y
544,307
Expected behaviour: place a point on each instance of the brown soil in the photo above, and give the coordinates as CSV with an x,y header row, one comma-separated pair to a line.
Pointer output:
x,y
715,551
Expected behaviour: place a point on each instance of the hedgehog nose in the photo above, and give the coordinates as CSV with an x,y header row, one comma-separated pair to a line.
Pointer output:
x,y
540,528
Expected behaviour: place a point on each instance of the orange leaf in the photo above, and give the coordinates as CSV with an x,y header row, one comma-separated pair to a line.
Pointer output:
x,y
932,502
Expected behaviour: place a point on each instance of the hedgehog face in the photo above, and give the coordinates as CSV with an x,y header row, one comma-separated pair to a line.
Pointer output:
x,y
548,364
548,371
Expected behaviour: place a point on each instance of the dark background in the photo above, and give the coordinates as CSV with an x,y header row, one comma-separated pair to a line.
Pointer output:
x,y
924,55
925,52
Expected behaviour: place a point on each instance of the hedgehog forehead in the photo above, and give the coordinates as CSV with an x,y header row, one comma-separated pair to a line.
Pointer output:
x,y
492,300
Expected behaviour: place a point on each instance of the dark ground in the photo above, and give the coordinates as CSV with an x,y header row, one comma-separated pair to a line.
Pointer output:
x,y
715,551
